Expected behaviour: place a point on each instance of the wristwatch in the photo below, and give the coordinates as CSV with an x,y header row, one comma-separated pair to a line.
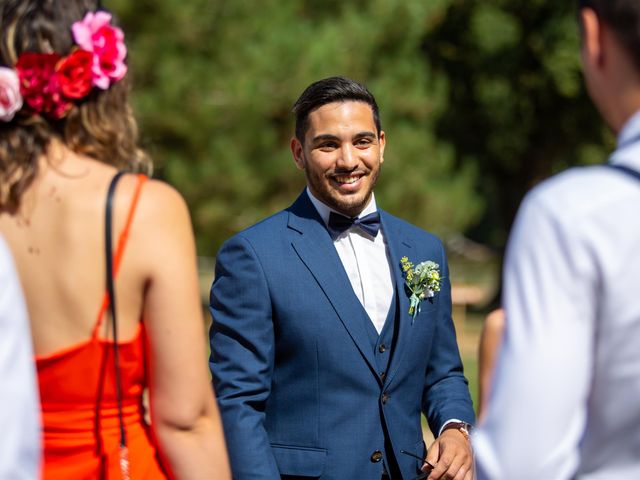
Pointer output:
x,y
463,427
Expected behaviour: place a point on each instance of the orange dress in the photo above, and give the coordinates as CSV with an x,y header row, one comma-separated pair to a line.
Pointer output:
x,y
79,404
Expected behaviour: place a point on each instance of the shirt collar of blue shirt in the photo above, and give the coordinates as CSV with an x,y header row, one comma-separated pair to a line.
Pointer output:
x,y
630,132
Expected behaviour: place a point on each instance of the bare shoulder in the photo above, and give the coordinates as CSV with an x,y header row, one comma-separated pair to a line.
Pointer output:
x,y
495,320
162,205
161,229
164,213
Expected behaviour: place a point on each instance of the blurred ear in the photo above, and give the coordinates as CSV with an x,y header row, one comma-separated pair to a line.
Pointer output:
x,y
298,153
592,39
382,142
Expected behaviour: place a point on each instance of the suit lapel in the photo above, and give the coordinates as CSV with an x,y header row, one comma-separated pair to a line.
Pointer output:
x,y
316,250
398,247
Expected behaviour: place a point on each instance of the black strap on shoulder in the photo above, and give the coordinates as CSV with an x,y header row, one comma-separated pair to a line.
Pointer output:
x,y
112,299
625,169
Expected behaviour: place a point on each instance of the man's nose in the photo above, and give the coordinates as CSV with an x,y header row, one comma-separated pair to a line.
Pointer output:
x,y
348,158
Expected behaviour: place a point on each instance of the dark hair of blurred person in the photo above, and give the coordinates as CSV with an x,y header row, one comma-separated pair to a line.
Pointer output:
x,y
623,16
562,402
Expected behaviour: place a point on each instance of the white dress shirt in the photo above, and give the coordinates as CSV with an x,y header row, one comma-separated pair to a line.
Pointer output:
x,y
366,261
565,402
19,408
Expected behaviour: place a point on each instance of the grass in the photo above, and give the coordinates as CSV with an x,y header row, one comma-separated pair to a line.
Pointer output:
x,y
471,372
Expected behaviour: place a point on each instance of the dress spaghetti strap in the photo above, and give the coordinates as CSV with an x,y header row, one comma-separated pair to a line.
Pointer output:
x,y
117,257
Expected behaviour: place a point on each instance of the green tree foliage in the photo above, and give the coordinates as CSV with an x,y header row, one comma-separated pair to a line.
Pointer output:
x,y
214,86
479,99
517,108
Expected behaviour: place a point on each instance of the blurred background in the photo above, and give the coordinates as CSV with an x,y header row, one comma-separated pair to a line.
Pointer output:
x,y
480,100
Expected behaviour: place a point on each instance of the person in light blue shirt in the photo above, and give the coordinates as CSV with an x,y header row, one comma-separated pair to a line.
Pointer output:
x,y
564,401
19,410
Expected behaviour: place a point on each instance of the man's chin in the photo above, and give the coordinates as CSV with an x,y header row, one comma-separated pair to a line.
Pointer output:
x,y
350,205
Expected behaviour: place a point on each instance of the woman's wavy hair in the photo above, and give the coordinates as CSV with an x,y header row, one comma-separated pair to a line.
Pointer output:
x,y
101,125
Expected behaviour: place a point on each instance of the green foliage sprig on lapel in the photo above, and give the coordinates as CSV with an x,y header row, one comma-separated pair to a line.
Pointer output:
x,y
423,282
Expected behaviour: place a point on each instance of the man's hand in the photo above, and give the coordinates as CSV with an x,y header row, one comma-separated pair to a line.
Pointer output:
x,y
451,457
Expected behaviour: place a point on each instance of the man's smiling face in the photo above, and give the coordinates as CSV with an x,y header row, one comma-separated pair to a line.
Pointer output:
x,y
341,155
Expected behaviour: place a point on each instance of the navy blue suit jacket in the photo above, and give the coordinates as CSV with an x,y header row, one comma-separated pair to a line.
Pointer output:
x,y
293,365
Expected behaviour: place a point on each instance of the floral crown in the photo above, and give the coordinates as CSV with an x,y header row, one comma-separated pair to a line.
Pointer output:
x,y
49,83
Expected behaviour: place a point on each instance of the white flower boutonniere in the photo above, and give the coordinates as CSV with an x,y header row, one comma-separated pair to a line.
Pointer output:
x,y
423,281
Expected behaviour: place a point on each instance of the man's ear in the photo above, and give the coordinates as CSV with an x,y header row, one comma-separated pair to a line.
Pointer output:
x,y
592,39
382,142
297,152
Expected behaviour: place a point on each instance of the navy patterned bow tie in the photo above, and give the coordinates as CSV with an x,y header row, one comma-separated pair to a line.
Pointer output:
x,y
339,223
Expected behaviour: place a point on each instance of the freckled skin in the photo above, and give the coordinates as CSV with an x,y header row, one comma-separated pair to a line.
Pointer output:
x,y
341,145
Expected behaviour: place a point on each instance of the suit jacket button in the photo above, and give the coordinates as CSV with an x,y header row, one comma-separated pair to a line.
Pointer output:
x,y
383,375
382,348
376,456
385,398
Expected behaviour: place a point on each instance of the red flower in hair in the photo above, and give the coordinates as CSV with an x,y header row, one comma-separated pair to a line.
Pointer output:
x,y
50,83
39,84
75,75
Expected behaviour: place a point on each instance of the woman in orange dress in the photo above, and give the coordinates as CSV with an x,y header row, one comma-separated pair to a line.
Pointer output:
x,y
66,129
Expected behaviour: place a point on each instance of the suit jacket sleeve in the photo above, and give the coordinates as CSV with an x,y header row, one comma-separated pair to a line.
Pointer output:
x,y
242,356
446,392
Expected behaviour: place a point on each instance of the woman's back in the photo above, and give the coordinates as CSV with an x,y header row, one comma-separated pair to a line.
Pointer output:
x,y
59,236
57,239
66,127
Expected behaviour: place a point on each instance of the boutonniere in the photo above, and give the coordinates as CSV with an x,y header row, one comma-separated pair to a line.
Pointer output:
x,y
423,281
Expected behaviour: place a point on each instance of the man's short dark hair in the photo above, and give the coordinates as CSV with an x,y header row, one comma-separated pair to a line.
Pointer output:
x,y
329,90
623,16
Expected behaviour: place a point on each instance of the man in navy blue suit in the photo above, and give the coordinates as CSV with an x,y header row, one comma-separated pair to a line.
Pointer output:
x,y
332,324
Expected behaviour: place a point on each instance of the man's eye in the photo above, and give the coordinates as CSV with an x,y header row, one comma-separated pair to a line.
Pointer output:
x,y
363,142
328,146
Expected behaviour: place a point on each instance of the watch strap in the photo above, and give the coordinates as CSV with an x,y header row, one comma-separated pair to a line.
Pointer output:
x,y
463,427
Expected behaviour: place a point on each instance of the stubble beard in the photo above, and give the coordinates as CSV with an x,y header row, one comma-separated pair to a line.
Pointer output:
x,y
349,205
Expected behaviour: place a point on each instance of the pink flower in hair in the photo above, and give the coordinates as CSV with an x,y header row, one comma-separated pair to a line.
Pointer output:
x,y
95,34
10,97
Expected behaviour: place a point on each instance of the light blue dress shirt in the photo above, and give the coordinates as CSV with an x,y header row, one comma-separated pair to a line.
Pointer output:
x,y
565,401
19,403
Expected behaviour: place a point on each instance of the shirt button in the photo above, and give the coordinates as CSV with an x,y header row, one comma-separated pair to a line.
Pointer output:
x,y
385,398
382,348
376,456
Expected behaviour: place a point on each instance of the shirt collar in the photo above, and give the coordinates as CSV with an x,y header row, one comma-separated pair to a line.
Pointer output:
x,y
630,131
324,211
